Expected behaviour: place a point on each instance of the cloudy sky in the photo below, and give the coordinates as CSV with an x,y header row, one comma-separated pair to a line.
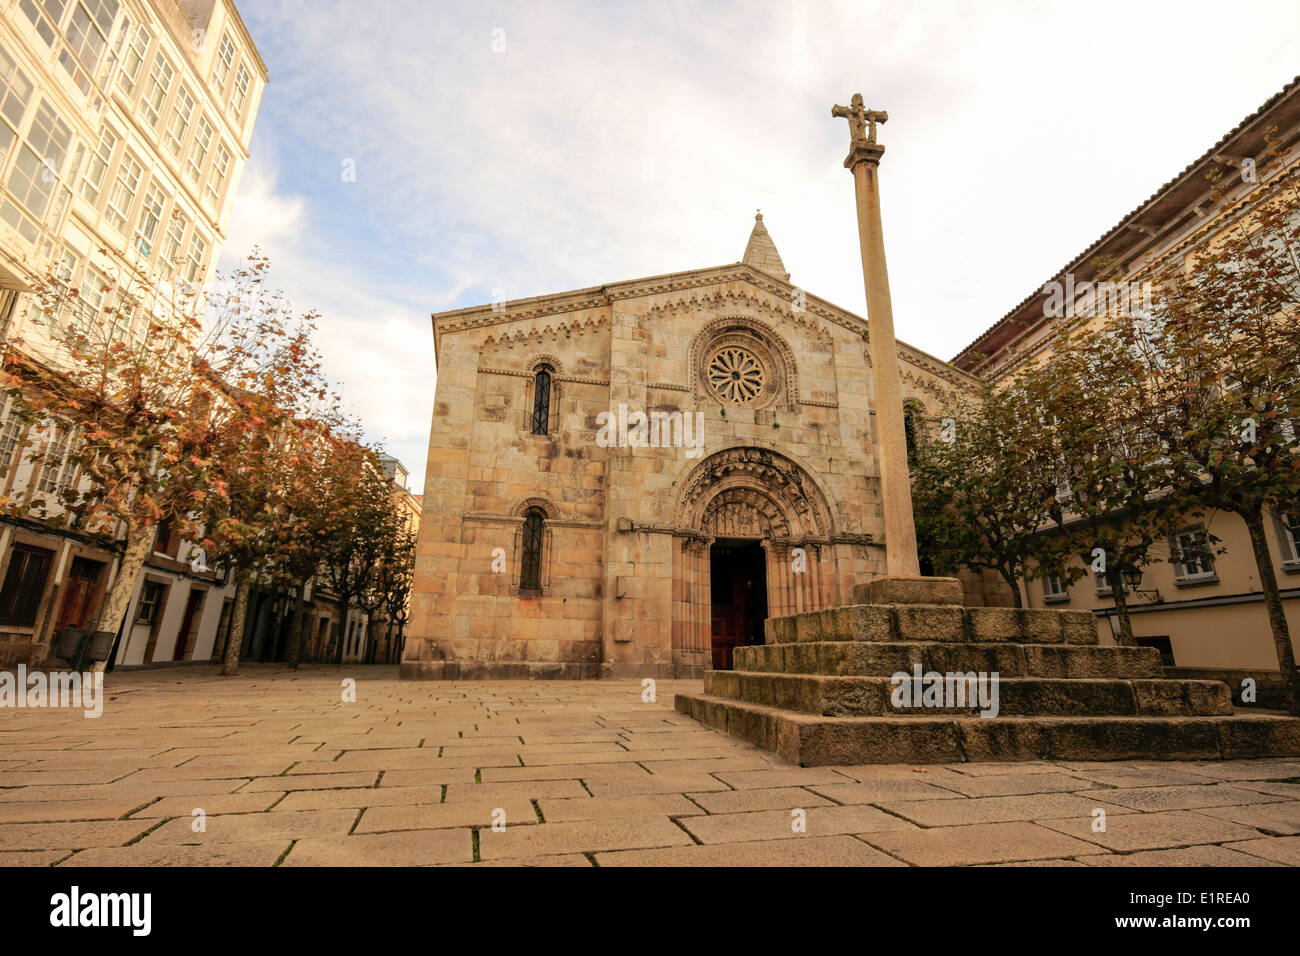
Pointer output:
x,y
533,148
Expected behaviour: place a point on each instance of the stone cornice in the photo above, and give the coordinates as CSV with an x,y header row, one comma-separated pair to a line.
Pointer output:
x,y
524,373
627,526
550,522
598,297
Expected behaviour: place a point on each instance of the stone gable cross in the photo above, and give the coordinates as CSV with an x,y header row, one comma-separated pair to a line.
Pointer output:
x,y
862,121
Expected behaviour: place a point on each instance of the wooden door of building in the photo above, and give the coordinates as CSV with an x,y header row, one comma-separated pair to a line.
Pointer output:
x,y
157,596
78,593
738,573
187,636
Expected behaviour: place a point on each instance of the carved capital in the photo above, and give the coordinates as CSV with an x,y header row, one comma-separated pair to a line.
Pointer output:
x,y
864,153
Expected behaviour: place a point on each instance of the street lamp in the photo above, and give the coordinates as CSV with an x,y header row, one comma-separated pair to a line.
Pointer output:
x,y
1129,579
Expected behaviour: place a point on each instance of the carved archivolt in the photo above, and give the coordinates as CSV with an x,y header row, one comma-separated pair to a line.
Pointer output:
x,y
544,358
754,488
522,507
748,348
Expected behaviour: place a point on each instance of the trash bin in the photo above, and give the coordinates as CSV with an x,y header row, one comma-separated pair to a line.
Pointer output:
x,y
69,646
101,645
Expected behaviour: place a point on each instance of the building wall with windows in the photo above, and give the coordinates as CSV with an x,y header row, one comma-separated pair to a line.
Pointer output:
x,y
1210,612
124,128
560,539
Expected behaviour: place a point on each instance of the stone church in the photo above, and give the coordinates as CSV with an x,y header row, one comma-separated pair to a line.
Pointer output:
x,y
627,480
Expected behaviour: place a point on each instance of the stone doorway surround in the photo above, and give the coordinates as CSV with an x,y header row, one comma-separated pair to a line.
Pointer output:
x,y
755,494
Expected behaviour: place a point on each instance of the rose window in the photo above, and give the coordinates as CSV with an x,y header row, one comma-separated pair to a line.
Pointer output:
x,y
736,375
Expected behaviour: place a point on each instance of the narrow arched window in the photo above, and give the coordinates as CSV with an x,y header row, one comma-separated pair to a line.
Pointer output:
x,y
542,402
530,566
912,423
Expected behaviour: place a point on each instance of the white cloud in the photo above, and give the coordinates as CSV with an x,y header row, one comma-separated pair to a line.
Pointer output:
x,y
615,141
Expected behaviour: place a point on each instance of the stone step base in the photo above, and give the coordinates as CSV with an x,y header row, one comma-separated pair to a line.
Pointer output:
x,y
934,622
834,696
883,659
811,740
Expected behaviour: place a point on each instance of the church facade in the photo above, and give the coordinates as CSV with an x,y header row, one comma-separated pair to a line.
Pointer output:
x,y
626,480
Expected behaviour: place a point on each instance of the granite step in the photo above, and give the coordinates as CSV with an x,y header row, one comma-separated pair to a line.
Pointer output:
x,y
934,622
836,696
885,658
813,740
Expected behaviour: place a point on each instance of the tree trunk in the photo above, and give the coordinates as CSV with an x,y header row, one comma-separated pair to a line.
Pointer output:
x,y
297,608
1016,600
344,601
1276,615
139,542
235,642
277,627
1126,638
372,641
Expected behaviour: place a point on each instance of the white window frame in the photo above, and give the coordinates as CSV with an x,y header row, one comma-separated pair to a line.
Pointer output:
x,y
93,26
133,50
26,183
178,127
126,185
91,300
223,63
1055,590
11,438
57,477
151,214
199,149
122,319
101,158
173,240
220,173
195,269
12,80
239,95
1183,577
161,75
1287,525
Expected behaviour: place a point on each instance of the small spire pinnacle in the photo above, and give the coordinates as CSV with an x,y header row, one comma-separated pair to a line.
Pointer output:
x,y
761,251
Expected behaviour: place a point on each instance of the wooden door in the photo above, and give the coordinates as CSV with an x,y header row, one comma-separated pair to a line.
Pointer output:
x,y
156,624
187,636
77,594
738,598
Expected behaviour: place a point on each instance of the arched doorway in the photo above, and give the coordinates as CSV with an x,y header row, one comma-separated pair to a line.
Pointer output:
x,y
738,597
755,542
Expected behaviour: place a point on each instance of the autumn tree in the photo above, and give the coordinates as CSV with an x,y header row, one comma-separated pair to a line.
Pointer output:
x,y
390,588
1115,508
980,496
136,396
396,578
1223,352
262,528
355,496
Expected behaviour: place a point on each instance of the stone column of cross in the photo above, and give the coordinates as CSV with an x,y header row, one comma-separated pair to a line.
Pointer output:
x,y
891,439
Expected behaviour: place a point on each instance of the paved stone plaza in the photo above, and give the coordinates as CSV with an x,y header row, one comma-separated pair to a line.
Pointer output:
x,y
585,772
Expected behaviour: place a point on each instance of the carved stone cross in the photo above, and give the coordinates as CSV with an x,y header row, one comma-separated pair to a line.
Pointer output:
x,y
862,121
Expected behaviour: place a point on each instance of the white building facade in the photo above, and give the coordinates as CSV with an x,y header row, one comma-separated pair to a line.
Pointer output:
x,y
124,128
